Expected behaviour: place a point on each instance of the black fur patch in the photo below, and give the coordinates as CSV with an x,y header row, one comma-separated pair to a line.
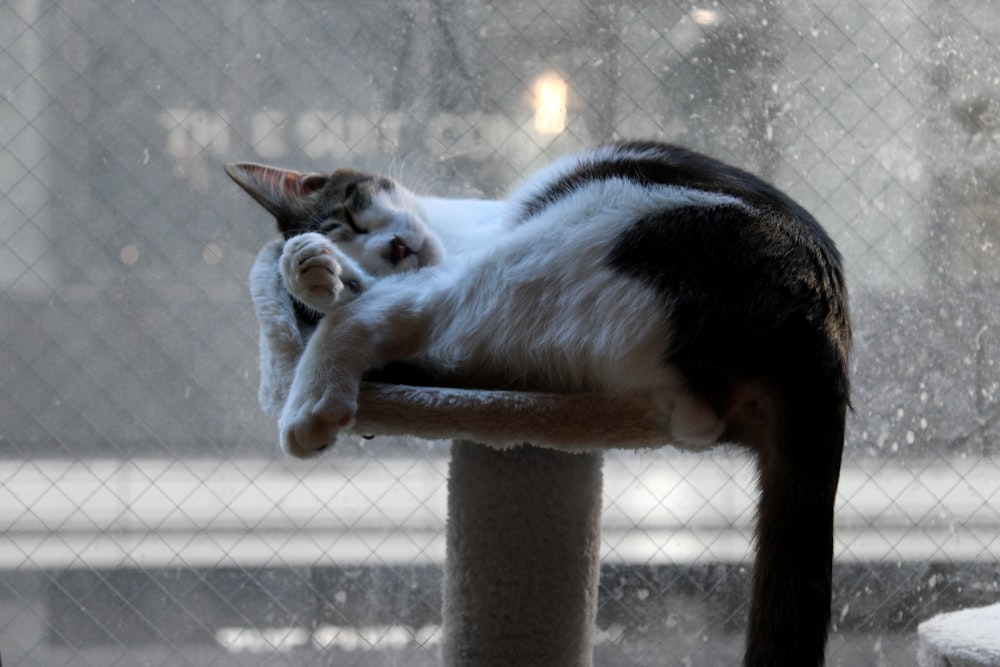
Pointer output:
x,y
749,296
344,192
665,164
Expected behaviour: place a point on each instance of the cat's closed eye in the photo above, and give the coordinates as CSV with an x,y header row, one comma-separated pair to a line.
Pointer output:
x,y
340,218
351,222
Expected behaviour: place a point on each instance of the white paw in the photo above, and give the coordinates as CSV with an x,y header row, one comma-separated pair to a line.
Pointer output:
x,y
317,274
310,423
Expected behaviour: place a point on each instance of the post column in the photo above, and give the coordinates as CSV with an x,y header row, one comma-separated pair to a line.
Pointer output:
x,y
523,557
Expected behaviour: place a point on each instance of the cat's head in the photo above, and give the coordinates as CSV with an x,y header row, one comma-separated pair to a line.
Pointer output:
x,y
372,219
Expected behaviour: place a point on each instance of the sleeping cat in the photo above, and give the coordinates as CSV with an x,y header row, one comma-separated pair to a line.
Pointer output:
x,y
630,267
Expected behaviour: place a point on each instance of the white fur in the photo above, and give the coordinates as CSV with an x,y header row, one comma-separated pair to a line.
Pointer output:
x,y
464,226
281,340
318,274
536,306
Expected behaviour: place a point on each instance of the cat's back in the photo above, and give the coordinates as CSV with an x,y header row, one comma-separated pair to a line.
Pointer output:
x,y
676,200
656,166
745,273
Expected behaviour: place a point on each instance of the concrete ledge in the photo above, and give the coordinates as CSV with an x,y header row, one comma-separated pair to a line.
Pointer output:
x,y
967,638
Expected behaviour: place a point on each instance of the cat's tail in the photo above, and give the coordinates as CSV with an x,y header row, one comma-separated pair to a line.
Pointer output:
x,y
799,467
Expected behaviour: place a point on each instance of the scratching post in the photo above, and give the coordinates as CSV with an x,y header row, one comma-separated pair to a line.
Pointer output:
x,y
523,531
523,557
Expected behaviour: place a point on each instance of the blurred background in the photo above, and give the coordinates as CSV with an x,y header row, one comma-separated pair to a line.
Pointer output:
x,y
146,516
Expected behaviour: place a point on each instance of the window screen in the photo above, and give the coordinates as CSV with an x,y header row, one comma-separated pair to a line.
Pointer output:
x,y
145,514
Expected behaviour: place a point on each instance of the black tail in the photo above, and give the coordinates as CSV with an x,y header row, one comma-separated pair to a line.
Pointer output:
x,y
799,467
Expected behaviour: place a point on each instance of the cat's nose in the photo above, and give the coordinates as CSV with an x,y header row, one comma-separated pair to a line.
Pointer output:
x,y
398,250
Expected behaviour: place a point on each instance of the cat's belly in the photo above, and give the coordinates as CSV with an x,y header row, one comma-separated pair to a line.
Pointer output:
x,y
546,310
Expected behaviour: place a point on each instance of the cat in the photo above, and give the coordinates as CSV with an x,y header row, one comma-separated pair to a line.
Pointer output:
x,y
629,267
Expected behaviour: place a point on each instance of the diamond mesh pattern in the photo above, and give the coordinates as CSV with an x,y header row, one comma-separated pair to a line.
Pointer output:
x,y
144,515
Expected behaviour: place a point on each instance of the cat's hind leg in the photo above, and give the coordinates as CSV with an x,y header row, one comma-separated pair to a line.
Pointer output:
x,y
318,274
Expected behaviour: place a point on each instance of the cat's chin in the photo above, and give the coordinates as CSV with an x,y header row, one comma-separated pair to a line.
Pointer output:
x,y
411,262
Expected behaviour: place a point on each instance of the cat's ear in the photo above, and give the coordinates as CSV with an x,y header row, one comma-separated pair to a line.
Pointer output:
x,y
285,193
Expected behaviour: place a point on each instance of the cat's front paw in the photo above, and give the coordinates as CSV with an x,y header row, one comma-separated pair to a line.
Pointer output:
x,y
310,424
317,274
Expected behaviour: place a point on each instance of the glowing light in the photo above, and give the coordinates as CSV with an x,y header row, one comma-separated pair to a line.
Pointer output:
x,y
705,16
550,104
129,254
